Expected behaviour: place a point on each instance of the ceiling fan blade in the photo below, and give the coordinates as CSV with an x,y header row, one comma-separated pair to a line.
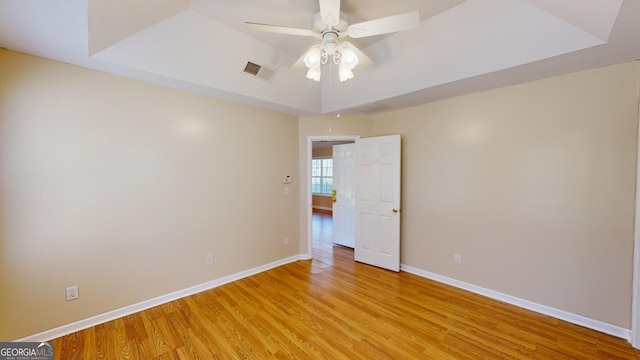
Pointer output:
x,y
281,30
330,12
363,60
385,25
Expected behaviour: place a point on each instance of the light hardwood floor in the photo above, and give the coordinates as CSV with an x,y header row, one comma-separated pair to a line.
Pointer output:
x,y
335,308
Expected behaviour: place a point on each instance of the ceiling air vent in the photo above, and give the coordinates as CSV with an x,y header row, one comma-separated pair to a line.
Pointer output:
x,y
259,71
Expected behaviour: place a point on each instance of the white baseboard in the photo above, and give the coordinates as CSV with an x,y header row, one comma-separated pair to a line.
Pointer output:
x,y
529,305
128,310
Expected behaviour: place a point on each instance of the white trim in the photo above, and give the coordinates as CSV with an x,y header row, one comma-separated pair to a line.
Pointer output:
x,y
635,299
146,304
307,187
526,304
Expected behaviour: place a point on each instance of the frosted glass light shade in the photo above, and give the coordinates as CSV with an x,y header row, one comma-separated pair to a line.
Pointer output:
x,y
314,74
313,58
345,74
348,58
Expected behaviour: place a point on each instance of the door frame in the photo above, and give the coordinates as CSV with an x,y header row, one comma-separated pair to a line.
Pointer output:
x,y
635,298
307,186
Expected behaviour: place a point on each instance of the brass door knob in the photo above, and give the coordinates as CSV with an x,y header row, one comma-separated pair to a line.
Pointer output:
x,y
395,210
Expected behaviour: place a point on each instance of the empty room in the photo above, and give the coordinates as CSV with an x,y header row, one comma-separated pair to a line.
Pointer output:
x,y
476,162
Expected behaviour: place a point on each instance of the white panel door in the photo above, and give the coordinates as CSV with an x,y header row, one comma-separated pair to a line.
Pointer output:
x,y
344,196
377,206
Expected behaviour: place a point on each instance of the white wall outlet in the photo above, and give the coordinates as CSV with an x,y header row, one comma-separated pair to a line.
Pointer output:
x,y
72,293
457,258
286,190
209,260
286,179
286,240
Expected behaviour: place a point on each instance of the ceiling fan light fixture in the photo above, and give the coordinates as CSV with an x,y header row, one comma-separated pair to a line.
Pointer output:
x,y
345,73
313,58
348,58
314,74
345,58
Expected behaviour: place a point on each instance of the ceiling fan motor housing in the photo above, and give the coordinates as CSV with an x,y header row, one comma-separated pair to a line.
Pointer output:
x,y
320,26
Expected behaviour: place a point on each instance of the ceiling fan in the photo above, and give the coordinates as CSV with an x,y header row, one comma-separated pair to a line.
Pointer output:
x,y
332,26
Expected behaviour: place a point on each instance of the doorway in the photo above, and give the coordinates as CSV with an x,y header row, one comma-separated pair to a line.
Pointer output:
x,y
320,224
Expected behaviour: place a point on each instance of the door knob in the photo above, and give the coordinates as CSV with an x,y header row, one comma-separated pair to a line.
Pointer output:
x,y
395,210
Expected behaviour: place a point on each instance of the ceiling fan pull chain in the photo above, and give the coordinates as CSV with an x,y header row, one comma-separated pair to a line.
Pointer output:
x,y
331,87
333,92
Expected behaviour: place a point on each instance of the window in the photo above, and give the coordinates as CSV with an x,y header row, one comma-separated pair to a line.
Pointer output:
x,y
321,176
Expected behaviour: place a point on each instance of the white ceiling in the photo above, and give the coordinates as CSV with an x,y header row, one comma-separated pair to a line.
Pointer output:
x,y
202,46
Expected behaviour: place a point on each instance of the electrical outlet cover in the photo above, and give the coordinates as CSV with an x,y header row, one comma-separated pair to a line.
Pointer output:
x,y
72,293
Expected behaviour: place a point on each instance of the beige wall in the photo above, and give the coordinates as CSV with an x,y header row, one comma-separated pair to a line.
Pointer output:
x,y
322,201
123,187
532,184
323,153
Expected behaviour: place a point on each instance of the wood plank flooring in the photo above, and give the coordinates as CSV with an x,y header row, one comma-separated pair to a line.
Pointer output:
x,y
335,308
